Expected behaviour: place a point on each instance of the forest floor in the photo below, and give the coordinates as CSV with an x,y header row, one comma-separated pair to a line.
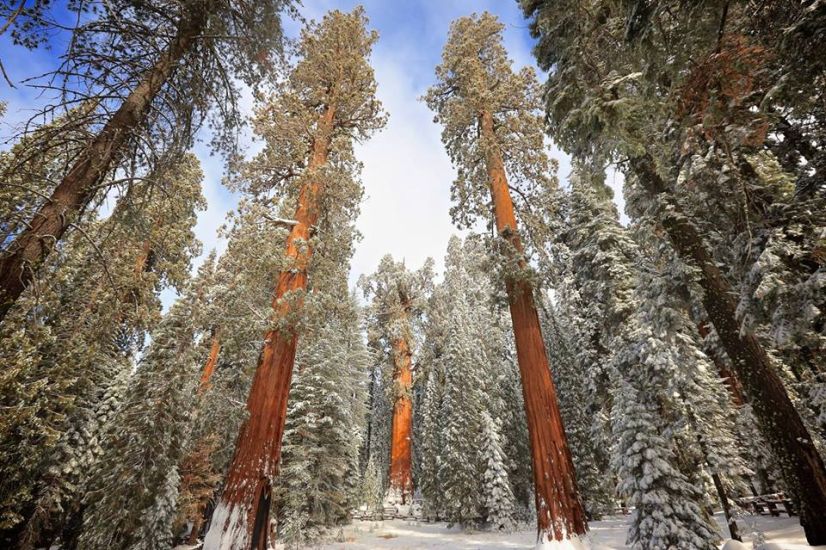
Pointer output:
x,y
609,533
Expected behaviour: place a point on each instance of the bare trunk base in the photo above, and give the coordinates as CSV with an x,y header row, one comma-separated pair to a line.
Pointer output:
x,y
241,519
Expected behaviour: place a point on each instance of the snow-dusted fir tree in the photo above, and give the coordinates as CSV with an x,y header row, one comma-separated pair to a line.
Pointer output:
x,y
468,374
100,299
397,297
319,482
499,502
648,356
670,89
371,494
133,490
461,464
325,103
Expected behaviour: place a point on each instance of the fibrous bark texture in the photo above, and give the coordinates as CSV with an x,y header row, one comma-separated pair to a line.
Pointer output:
x,y
560,514
401,457
241,517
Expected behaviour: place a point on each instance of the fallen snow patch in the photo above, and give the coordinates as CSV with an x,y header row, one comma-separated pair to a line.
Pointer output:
x,y
228,530
573,543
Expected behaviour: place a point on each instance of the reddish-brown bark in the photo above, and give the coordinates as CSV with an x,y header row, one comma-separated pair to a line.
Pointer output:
x,y
212,361
401,456
733,385
559,508
198,459
258,450
25,255
788,437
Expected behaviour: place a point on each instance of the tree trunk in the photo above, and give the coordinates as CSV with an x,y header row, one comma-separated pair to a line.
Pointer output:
x,y
735,388
197,518
401,459
258,450
30,248
212,361
780,423
197,523
721,492
559,510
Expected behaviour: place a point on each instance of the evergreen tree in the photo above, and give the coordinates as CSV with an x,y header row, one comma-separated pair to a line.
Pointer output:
x,y
131,500
324,105
235,314
498,496
672,89
397,298
319,481
469,375
659,375
99,301
493,131
149,91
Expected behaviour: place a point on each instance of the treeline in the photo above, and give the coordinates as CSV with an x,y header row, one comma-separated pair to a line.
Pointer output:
x,y
683,352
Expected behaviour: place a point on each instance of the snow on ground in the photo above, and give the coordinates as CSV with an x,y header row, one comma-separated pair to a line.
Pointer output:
x,y
608,534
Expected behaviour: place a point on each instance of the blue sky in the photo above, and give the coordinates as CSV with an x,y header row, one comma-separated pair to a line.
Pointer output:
x,y
407,174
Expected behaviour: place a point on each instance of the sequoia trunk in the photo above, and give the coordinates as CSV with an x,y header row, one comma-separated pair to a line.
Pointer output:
x,y
241,518
401,458
212,361
559,510
31,247
779,421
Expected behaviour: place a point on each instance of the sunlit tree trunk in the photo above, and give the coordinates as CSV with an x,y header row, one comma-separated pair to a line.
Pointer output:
x,y
212,361
560,514
30,248
790,441
401,457
198,457
242,515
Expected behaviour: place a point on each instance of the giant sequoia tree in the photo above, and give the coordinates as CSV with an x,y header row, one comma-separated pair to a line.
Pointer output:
x,y
398,296
324,105
148,72
493,132
688,99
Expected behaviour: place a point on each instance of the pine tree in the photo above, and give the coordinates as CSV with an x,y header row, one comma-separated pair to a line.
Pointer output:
x,y
654,361
325,104
461,467
319,480
101,297
493,131
133,493
468,375
371,495
142,76
498,498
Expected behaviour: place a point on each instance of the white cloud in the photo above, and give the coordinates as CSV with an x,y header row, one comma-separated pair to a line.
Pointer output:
x,y
407,177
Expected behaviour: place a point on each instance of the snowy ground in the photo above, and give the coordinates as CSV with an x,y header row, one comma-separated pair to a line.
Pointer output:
x,y
398,534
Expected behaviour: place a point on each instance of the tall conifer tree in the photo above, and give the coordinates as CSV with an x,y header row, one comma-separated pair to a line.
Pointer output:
x,y
493,134
324,105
